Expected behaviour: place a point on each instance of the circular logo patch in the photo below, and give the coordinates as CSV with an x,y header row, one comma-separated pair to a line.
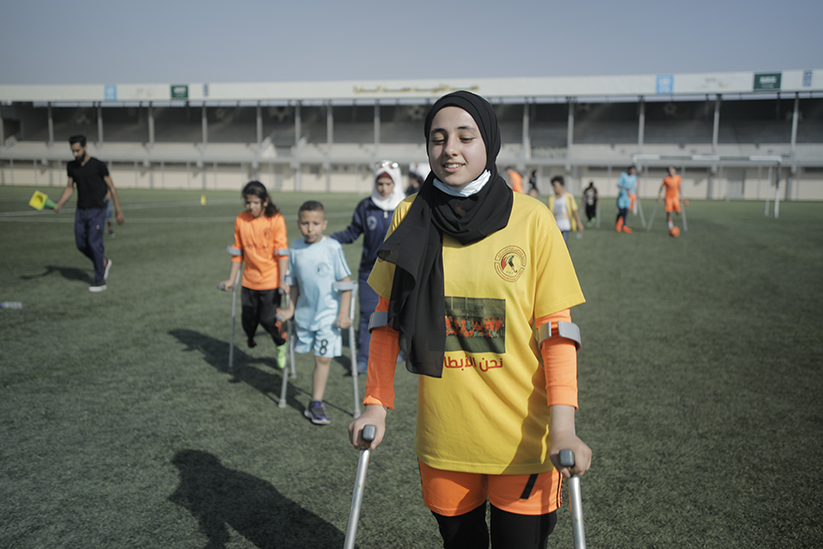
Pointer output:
x,y
510,262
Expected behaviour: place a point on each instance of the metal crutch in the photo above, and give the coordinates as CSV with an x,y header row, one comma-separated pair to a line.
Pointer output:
x,y
369,432
651,219
683,211
342,287
285,385
575,501
235,252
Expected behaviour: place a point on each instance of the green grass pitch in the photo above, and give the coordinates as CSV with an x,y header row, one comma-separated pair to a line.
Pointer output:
x,y
700,378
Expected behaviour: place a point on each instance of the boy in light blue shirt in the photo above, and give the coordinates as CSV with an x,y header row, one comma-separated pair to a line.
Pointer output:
x,y
316,262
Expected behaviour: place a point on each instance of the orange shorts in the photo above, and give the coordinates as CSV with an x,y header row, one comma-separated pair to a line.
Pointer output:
x,y
451,493
672,204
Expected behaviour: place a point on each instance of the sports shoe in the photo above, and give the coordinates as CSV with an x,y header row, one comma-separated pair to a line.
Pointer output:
x,y
317,413
97,286
627,230
251,343
111,234
107,269
619,225
281,356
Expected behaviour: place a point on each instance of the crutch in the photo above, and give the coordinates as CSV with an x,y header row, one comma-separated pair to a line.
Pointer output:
x,y
285,384
343,287
639,205
651,219
235,252
575,501
369,432
683,210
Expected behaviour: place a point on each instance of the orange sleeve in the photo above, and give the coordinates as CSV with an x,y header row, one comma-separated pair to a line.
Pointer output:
x,y
517,182
560,363
383,351
238,240
281,237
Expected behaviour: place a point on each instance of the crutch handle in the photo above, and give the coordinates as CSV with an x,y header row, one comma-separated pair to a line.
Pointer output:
x,y
369,433
566,458
221,286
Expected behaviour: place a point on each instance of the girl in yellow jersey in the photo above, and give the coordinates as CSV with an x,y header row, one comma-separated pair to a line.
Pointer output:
x,y
468,272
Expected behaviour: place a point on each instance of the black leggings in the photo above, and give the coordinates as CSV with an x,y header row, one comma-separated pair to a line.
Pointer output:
x,y
260,307
508,530
622,212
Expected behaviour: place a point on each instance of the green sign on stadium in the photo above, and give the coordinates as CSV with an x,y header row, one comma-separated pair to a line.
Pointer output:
x,y
767,81
179,91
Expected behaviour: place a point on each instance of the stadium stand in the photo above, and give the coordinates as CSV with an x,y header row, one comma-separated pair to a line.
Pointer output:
x,y
324,135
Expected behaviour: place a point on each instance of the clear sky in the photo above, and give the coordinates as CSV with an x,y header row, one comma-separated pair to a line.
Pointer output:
x,y
148,41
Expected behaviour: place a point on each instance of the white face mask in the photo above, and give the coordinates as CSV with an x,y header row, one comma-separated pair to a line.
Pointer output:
x,y
470,188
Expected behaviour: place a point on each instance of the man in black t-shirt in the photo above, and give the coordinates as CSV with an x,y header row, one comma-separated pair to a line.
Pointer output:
x,y
92,179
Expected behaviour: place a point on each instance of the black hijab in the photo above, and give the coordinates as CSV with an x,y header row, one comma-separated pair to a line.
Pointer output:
x,y
417,308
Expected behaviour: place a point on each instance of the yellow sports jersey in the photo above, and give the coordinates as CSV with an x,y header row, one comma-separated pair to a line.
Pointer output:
x,y
571,207
489,412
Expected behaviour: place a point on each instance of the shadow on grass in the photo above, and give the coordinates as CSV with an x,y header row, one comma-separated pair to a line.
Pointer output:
x,y
69,273
219,498
216,353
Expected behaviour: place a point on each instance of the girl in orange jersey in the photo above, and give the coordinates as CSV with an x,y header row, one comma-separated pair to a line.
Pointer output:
x,y
260,235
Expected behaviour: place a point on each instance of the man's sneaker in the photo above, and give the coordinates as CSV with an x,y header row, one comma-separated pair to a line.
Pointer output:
x,y
281,356
97,286
317,413
107,269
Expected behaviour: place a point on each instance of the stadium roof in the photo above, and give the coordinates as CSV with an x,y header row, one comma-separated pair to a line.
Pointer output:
x,y
790,81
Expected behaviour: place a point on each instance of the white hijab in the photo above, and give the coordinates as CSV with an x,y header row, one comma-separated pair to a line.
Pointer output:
x,y
389,203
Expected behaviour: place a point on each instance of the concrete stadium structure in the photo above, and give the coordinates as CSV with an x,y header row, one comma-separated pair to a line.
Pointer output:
x,y
732,135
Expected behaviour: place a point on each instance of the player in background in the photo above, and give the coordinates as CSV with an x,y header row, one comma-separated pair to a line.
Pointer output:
x,y
626,186
672,184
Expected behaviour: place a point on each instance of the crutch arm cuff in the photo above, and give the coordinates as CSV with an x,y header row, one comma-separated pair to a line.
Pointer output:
x,y
345,286
378,319
565,330
234,251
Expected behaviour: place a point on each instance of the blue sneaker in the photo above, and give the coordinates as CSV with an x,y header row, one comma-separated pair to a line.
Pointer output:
x,y
317,413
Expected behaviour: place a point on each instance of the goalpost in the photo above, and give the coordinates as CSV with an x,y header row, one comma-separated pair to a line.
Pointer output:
x,y
713,161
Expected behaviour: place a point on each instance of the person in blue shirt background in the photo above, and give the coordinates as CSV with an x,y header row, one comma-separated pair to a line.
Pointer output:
x,y
372,218
626,186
